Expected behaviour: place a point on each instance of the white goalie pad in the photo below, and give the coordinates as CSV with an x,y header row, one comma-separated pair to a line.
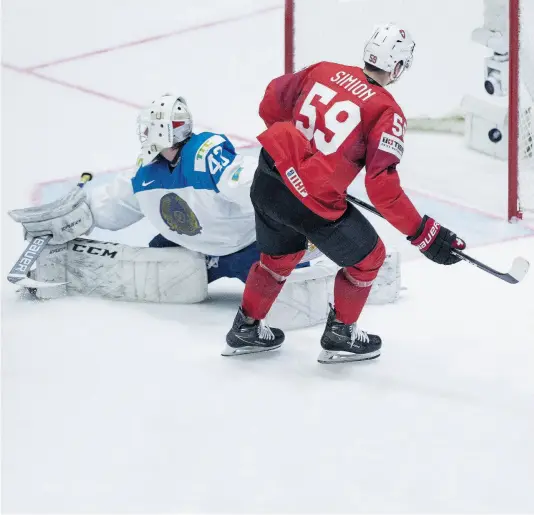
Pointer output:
x,y
303,301
387,285
177,275
120,272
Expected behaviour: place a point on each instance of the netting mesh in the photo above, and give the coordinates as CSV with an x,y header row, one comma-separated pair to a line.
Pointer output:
x,y
526,106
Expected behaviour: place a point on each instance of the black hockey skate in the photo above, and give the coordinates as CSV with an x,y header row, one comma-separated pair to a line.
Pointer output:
x,y
345,342
246,338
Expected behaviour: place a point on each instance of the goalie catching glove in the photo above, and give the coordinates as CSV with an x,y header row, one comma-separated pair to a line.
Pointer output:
x,y
65,219
436,242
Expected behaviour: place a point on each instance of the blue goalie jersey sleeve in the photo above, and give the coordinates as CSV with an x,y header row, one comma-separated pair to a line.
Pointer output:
x,y
208,155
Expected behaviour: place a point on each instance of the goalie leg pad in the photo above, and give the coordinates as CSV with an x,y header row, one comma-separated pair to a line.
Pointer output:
x,y
307,292
303,301
387,285
116,271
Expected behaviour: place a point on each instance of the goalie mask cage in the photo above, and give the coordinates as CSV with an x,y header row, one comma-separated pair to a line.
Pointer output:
x,y
448,65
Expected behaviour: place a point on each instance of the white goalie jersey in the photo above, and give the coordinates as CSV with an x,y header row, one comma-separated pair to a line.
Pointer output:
x,y
203,204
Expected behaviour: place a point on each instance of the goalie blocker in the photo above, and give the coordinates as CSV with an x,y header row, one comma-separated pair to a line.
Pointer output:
x,y
177,275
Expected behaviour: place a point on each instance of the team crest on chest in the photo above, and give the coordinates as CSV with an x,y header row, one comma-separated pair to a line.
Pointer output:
x,y
178,216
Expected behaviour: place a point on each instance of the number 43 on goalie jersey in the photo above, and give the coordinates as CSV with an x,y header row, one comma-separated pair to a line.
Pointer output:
x,y
325,123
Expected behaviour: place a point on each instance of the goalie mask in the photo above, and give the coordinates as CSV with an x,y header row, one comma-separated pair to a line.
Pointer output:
x,y
390,49
166,123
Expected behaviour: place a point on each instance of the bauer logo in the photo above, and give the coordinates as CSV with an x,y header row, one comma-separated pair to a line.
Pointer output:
x,y
391,144
296,182
68,227
27,259
57,250
430,237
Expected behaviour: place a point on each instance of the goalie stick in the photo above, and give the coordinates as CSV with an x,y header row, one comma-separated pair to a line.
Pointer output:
x,y
19,273
516,273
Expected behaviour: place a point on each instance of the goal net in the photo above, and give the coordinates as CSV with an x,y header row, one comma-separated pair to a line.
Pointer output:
x,y
449,66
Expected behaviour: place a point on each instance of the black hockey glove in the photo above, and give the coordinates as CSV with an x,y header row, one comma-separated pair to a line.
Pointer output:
x,y
436,242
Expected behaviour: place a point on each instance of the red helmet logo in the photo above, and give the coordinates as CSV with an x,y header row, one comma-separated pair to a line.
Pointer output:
x,y
403,34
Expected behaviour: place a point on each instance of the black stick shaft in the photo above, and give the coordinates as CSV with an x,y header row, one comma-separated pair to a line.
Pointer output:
x,y
504,276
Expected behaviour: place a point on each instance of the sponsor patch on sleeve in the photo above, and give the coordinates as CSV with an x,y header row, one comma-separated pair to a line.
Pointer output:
x,y
391,144
201,156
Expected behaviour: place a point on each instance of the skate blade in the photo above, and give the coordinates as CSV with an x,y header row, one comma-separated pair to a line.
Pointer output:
x,y
251,349
328,357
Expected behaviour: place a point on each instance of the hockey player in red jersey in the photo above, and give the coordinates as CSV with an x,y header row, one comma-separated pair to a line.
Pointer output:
x,y
324,124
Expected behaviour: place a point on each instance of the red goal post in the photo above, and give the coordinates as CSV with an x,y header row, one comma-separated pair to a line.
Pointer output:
x,y
335,30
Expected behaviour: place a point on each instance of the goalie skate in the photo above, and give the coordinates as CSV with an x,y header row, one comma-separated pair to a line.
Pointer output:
x,y
250,338
345,342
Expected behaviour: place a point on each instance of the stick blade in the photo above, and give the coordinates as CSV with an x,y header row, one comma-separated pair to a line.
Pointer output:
x,y
519,270
27,282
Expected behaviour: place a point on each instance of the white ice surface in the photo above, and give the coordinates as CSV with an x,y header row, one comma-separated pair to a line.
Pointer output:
x,y
116,407
113,407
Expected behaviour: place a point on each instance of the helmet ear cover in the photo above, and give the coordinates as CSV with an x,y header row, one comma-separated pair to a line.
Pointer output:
x,y
398,70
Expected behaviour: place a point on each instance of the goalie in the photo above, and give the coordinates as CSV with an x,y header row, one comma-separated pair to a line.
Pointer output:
x,y
195,191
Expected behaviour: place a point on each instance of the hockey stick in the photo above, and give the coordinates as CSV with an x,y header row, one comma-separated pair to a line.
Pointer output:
x,y
516,273
19,272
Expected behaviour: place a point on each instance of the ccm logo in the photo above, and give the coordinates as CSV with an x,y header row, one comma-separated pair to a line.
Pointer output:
x,y
95,251
296,181
430,237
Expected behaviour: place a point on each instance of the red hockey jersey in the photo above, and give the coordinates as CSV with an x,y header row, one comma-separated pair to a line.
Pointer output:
x,y
325,123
